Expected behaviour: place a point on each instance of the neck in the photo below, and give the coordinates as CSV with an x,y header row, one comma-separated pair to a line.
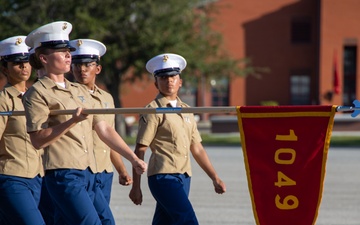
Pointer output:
x,y
21,86
169,96
57,77
90,86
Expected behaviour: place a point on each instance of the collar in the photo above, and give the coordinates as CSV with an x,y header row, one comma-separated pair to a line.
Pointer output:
x,y
48,83
164,102
97,89
12,91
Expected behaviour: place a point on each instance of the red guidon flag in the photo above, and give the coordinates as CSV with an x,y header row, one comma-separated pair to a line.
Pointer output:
x,y
285,150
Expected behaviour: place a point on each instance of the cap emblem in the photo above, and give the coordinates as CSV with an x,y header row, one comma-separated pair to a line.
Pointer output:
x,y
18,41
64,26
79,42
165,58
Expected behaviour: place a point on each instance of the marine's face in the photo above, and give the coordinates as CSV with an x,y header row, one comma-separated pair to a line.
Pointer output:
x,y
168,85
57,61
17,72
85,73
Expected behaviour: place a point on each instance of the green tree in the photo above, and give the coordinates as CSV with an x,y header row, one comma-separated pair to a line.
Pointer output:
x,y
133,31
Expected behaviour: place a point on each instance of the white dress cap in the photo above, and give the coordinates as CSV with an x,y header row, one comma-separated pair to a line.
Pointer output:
x,y
14,49
53,35
87,50
167,64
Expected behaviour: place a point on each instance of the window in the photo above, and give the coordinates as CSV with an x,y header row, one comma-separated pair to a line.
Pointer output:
x,y
220,92
187,93
349,92
300,89
300,30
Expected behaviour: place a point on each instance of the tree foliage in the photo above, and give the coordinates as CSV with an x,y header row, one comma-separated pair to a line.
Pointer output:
x,y
133,31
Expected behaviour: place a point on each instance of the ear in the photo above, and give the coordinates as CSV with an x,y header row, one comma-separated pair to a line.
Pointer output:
x,y
43,58
180,82
98,69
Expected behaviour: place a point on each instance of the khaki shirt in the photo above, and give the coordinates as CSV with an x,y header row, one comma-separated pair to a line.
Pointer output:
x,y
74,149
101,150
18,157
169,137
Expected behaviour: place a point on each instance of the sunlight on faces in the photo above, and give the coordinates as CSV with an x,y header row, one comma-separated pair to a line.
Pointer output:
x,y
85,60
166,69
85,73
57,61
168,85
14,55
51,45
18,71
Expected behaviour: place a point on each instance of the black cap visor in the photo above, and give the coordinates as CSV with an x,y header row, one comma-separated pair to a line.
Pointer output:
x,y
167,72
57,45
21,57
77,59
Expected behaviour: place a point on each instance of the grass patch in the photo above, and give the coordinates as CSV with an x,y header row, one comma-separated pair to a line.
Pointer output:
x,y
221,140
345,141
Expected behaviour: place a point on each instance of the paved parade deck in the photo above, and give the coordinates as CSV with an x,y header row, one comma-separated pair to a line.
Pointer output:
x,y
340,204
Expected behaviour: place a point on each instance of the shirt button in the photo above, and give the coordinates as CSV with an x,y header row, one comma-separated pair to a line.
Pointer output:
x,y
83,137
104,151
85,150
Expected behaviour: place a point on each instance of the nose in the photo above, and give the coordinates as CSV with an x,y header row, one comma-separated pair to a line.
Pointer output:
x,y
83,67
170,79
22,65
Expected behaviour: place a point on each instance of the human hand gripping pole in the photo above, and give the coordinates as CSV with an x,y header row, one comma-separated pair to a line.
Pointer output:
x,y
79,115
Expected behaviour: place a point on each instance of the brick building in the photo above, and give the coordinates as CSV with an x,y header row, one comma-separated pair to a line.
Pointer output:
x,y
300,41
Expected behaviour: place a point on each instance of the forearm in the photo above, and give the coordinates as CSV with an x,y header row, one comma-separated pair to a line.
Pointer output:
x,y
137,177
118,163
136,180
208,168
47,136
112,139
204,162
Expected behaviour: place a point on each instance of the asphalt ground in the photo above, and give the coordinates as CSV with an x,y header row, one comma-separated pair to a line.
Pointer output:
x,y
340,203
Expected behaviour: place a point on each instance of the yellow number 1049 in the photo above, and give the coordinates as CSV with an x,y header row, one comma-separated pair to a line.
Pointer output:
x,y
285,156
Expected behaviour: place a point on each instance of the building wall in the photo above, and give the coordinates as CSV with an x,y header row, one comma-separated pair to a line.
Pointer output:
x,y
138,93
260,31
339,26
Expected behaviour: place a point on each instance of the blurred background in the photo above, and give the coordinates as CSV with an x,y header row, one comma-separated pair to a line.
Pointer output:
x,y
239,52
